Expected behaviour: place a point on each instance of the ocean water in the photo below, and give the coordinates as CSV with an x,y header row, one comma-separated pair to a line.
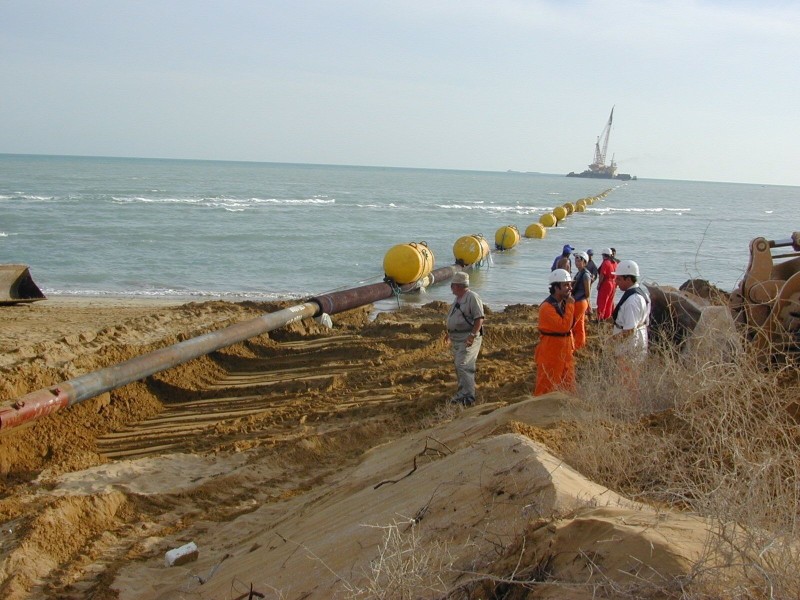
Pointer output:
x,y
207,229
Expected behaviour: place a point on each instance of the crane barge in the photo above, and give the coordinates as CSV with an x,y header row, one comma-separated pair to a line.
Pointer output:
x,y
599,169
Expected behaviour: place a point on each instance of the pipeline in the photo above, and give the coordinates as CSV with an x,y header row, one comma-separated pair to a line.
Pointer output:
x,y
337,302
40,403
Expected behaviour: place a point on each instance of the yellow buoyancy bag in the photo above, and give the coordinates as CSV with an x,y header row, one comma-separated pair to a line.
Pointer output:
x,y
407,263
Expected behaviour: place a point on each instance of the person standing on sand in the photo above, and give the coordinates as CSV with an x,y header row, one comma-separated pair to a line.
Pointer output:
x,y
632,314
590,266
555,365
631,317
465,334
606,286
562,261
581,291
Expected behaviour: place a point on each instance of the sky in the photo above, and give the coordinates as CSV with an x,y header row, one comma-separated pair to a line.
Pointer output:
x,y
702,90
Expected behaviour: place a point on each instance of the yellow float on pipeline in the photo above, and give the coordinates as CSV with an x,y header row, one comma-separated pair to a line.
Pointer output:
x,y
536,230
408,263
570,208
560,213
548,220
471,249
506,237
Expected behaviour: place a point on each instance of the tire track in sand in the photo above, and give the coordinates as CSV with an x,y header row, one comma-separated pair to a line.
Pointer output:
x,y
292,393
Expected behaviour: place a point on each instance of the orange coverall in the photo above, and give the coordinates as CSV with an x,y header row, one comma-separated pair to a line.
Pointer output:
x,y
579,330
555,366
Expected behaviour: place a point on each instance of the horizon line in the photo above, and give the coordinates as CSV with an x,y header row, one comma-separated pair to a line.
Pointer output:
x,y
268,162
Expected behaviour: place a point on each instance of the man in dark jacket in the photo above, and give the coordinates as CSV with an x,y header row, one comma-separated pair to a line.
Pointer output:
x,y
590,266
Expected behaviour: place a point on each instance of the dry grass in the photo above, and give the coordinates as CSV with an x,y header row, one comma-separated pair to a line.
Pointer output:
x,y
711,430
404,568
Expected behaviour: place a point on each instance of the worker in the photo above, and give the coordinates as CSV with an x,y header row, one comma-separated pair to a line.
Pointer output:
x,y
590,266
581,291
631,317
606,286
562,261
632,314
555,366
465,335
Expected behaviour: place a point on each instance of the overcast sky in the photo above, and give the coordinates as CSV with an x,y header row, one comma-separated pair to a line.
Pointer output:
x,y
704,90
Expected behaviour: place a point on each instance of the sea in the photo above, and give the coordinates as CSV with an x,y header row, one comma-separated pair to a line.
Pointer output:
x,y
197,230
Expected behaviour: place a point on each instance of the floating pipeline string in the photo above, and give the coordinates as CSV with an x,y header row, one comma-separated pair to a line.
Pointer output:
x,y
485,260
427,256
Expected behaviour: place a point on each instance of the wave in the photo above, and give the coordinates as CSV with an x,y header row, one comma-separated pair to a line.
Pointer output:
x,y
517,209
237,204
655,210
17,196
388,205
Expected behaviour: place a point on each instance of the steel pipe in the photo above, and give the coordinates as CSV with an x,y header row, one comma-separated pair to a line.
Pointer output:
x,y
337,302
46,401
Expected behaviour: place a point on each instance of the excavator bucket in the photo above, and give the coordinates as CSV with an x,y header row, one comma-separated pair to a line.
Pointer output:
x,y
16,285
768,297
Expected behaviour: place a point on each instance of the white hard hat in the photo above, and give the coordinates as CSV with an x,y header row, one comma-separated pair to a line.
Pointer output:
x,y
582,255
627,267
461,278
559,276
606,251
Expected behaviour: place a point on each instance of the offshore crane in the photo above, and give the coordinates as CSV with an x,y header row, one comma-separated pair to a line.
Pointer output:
x,y
599,164
599,169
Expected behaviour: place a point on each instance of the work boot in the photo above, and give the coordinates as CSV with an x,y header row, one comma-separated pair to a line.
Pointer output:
x,y
465,401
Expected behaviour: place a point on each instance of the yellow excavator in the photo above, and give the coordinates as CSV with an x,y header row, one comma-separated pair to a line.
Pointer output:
x,y
767,299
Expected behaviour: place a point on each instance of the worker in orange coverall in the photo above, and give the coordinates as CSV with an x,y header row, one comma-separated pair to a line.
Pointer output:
x,y
555,366
581,291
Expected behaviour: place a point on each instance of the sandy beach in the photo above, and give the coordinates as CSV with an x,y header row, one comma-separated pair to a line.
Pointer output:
x,y
306,463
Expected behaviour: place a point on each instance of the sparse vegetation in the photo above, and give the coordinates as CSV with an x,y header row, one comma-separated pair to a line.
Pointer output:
x,y
713,433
